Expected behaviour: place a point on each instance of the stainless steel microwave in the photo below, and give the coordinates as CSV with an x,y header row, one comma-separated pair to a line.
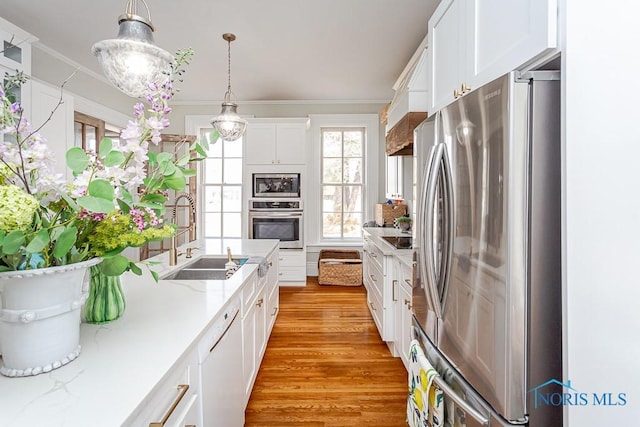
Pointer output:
x,y
276,185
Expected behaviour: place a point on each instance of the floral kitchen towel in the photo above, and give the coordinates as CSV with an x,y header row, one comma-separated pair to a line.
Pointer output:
x,y
425,401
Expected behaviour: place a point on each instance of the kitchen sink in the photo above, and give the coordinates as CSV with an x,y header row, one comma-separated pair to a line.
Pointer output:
x,y
205,268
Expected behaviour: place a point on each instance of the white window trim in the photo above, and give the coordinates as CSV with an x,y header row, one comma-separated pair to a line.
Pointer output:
x,y
313,206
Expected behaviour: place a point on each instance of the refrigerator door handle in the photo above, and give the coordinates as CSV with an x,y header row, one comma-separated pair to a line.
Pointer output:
x,y
460,402
431,276
449,225
423,258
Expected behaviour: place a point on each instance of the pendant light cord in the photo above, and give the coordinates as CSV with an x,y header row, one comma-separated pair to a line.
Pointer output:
x,y
227,97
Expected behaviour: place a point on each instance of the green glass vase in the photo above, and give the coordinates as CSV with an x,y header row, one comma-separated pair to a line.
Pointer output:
x,y
105,302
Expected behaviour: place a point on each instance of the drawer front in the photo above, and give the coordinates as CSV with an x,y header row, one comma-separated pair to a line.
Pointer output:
x,y
293,274
375,307
249,292
374,255
174,397
292,258
376,281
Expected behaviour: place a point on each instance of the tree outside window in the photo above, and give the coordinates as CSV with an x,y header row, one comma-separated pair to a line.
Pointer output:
x,y
342,182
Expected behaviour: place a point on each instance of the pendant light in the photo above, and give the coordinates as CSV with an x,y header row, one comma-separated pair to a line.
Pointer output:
x,y
229,124
132,61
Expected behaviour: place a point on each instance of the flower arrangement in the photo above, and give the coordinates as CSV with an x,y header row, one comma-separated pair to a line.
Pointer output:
x,y
114,201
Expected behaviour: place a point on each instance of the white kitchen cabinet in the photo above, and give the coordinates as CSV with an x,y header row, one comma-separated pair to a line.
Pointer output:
x,y
471,42
377,278
292,267
252,331
273,291
175,401
403,289
281,143
15,55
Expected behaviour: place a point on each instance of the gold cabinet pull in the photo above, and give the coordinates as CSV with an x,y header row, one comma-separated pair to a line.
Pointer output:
x,y
183,390
406,301
456,94
464,88
372,277
275,310
372,307
260,302
408,282
394,283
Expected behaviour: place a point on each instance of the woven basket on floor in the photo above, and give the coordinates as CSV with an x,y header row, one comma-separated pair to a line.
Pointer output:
x,y
340,267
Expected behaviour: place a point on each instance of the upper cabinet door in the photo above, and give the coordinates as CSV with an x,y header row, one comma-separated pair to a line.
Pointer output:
x,y
507,34
446,58
291,141
260,148
473,42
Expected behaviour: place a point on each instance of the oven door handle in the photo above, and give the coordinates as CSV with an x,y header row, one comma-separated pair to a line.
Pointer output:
x,y
276,214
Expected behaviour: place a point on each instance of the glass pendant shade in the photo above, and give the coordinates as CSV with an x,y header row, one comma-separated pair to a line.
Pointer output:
x,y
132,61
229,124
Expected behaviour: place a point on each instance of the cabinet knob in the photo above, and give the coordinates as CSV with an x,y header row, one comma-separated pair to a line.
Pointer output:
x,y
406,301
456,94
259,302
464,88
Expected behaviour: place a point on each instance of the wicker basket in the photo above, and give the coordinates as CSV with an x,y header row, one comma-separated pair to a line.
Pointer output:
x,y
385,214
340,267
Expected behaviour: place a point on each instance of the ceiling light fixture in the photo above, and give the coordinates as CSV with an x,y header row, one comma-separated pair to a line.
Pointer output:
x,y
229,124
132,61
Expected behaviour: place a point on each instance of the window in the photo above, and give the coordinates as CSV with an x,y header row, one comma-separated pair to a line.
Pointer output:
x,y
342,175
88,131
222,172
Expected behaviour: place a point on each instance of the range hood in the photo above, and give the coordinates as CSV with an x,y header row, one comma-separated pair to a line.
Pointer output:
x,y
409,105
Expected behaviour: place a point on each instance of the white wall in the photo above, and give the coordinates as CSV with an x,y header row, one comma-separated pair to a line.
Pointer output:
x,y
602,208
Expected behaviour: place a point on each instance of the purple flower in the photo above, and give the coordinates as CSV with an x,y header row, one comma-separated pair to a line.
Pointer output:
x,y
138,109
15,108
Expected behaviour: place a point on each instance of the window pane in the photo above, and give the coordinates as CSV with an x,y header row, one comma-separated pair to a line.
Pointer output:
x,y
232,171
332,144
332,225
331,198
232,198
332,171
231,224
215,147
233,148
352,198
212,225
353,170
212,198
353,144
353,224
213,171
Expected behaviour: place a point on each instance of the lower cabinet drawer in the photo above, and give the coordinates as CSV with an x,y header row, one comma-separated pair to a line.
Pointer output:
x,y
175,400
293,274
376,309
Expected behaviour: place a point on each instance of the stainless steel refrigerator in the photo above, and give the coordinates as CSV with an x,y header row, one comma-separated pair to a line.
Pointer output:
x,y
487,271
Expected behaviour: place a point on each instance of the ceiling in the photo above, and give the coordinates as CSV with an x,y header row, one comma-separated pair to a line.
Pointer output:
x,y
286,50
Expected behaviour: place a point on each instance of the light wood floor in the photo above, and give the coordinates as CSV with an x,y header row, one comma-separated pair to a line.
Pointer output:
x,y
325,364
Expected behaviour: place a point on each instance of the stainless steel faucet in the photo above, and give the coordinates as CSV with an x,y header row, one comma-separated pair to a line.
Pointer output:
x,y
173,251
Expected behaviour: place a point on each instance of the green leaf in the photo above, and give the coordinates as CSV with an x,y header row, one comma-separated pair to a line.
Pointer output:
x,y
126,195
13,241
39,242
169,169
114,158
189,172
124,206
65,242
114,266
183,160
152,158
155,275
164,157
176,181
200,150
155,206
105,146
154,198
95,204
102,189
135,269
77,159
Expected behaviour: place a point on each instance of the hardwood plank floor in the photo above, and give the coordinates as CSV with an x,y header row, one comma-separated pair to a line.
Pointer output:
x,y
325,364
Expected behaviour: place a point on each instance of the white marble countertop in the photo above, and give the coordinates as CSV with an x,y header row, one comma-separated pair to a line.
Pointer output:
x,y
122,361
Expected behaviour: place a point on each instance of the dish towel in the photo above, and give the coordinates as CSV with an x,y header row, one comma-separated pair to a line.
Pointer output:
x,y
263,265
425,406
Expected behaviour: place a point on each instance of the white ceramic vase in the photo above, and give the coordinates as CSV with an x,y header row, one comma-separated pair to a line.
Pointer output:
x,y
40,318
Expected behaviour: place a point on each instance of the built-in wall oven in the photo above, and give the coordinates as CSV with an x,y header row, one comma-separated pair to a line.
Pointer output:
x,y
277,219
276,185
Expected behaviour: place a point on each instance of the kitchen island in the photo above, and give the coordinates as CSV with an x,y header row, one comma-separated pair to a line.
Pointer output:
x,y
124,362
